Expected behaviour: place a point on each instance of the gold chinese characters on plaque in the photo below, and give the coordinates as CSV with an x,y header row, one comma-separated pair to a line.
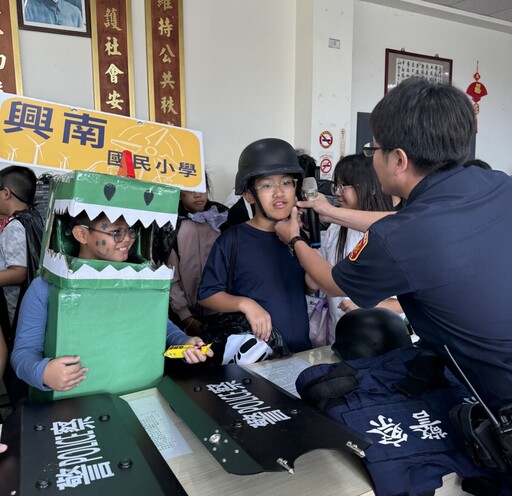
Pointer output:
x,y
164,33
10,67
112,56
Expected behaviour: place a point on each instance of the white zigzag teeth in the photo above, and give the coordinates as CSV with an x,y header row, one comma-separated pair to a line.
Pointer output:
x,y
58,265
74,208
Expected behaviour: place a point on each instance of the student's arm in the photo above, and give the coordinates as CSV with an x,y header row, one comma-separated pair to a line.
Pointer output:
x,y
259,319
313,263
311,285
179,303
28,358
13,276
175,336
360,220
391,304
14,249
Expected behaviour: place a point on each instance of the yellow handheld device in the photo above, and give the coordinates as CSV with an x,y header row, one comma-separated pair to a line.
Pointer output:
x,y
178,350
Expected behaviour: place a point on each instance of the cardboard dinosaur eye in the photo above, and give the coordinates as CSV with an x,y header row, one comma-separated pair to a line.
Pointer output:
x,y
109,191
148,196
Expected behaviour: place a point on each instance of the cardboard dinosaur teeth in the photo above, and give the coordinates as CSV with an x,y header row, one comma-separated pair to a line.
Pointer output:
x,y
75,207
58,265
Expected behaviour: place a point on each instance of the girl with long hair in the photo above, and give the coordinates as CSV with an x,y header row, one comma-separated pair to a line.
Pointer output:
x,y
356,187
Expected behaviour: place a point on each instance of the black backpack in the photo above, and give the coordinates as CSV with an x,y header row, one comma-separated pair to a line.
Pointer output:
x,y
33,223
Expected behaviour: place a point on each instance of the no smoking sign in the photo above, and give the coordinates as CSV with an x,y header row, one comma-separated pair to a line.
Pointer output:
x,y
325,166
325,139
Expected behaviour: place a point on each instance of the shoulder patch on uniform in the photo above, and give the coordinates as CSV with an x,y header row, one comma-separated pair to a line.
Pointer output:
x,y
358,248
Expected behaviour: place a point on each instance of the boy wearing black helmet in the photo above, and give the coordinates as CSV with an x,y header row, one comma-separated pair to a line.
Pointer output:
x,y
267,283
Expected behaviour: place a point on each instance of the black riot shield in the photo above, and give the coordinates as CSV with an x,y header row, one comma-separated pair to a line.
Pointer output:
x,y
92,445
248,424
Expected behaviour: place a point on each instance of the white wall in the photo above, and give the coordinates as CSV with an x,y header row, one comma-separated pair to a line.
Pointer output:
x,y
332,79
239,74
377,28
57,68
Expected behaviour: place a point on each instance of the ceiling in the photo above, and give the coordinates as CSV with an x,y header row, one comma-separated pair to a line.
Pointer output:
x,y
497,9
490,14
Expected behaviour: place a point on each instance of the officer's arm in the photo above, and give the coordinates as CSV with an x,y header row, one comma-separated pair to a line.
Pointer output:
x,y
359,220
319,269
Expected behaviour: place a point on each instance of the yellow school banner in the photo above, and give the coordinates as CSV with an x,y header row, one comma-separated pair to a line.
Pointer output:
x,y
43,134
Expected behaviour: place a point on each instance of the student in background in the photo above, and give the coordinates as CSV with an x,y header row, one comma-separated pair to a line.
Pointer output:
x,y
356,187
20,245
17,191
199,224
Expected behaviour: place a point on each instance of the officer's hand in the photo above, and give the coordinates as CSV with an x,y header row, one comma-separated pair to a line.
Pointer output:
x,y
259,319
320,205
195,355
64,373
326,212
289,228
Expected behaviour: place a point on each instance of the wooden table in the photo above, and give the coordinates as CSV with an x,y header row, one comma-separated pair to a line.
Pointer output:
x,y
320,472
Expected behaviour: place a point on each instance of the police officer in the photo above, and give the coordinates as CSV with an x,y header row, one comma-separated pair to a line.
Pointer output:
x,y
447,253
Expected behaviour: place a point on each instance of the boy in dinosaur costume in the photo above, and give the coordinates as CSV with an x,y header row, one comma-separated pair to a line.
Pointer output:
x,y
100,304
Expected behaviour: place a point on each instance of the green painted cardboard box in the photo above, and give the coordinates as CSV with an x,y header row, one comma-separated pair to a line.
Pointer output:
x,y
112,314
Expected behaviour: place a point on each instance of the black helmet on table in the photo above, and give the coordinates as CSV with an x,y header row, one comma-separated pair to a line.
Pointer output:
x,y
369,333
266,157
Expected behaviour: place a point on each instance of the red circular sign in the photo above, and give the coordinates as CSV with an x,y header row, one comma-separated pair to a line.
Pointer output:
x,y
325,139
325,166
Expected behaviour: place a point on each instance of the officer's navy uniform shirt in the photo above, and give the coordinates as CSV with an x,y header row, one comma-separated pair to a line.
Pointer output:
x,y
266,272
448,256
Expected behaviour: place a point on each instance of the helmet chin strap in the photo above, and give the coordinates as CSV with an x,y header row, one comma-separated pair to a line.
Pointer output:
x,y
260,206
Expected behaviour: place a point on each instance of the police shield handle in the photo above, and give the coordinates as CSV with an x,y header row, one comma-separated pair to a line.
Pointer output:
x,y
310,192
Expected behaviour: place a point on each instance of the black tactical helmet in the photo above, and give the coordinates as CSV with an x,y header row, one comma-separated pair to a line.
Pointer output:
x,y
369,333
266,157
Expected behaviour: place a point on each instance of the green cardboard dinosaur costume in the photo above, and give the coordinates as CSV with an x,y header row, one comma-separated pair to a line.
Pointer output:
x,y
113,314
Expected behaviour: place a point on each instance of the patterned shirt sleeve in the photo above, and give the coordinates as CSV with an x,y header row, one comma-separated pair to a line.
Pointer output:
x,y
13,253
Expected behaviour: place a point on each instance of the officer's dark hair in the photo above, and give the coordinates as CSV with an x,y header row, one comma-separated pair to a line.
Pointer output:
x,y
432,122
478,163
21,181
357,171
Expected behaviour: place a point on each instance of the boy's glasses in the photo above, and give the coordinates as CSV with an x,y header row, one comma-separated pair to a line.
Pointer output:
x,y
269,188
118,234
2,187
339,189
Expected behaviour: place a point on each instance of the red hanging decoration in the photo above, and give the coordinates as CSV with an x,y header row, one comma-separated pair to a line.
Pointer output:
x,y
476,90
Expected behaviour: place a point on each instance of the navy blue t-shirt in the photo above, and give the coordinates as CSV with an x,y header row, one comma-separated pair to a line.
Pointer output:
x,y
266,272
447,255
